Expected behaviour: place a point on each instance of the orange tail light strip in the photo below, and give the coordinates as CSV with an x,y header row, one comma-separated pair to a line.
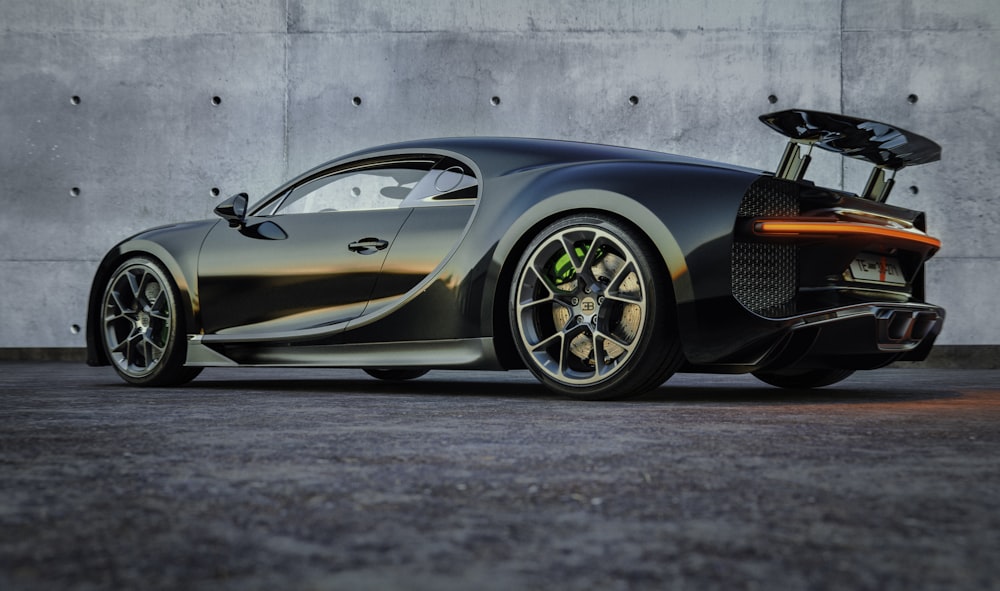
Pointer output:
x,y
832,228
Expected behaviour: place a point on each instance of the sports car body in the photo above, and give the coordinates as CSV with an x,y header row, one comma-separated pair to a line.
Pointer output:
x,y
601,269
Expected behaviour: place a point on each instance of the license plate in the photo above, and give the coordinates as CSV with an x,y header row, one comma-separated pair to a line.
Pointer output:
x,y
876,268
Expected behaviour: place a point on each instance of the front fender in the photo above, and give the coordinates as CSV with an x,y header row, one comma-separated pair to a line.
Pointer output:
x,y
177,248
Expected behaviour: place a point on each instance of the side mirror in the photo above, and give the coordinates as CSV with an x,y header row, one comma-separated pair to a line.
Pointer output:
x,y
234,210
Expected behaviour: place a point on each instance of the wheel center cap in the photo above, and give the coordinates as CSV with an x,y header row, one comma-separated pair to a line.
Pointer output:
x,y
588,305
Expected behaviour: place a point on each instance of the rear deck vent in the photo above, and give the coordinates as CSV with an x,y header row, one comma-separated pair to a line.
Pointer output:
x,y
769,197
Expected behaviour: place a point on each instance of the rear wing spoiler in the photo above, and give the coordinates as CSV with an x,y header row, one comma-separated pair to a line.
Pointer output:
x,y
885,146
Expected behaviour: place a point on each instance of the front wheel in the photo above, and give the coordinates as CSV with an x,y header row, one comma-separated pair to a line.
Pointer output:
x,y
142,326
803,378
592,312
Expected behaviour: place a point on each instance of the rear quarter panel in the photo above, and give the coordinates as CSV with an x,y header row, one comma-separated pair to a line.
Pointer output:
x,y
687,212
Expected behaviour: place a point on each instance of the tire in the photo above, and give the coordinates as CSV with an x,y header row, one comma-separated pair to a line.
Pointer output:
x,y
395,375
592,312
803,378
142,328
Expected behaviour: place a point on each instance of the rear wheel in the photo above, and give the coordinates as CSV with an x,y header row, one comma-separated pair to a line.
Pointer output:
x,y
142,326
803,378
591,311
395,375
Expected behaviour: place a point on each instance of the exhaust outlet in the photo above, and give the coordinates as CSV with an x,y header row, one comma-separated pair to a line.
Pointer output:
x,y
904,329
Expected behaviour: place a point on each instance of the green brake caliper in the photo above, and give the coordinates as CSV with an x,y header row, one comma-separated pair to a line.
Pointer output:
x,y
562,271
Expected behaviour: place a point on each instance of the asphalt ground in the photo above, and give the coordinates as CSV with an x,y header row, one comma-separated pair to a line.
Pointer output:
x,y
327,479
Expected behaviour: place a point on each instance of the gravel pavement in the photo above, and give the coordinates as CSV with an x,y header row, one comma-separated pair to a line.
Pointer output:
x,y
327,479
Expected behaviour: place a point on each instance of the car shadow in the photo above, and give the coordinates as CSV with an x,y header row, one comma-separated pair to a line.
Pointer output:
x,y
804,396
373,386
503,387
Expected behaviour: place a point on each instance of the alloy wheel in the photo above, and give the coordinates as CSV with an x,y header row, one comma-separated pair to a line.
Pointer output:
x,y
138,319
580,305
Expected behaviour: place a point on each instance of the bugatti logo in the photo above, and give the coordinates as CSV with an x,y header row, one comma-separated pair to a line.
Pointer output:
x,y
588,305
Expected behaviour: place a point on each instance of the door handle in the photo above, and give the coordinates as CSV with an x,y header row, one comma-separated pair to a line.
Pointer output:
x,y
368,245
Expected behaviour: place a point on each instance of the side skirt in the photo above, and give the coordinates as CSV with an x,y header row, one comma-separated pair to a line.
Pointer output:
x,y
447,354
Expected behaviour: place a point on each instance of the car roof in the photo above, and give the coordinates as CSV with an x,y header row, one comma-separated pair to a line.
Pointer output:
x,y
497,156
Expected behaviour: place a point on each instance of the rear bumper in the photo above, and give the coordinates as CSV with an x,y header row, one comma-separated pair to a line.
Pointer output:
x,y
859,337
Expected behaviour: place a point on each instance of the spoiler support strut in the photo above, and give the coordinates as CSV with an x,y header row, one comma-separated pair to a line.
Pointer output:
x,y
878,187
887,147
793,163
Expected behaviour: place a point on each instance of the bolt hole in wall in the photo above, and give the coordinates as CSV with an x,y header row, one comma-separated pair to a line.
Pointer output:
x,y
356,101
914,189
495,101
214,192
633,100
74,192
216,100
912,99
74,99
771,98
74,329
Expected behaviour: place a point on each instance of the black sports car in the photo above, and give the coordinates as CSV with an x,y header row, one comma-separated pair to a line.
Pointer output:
x,y
603,270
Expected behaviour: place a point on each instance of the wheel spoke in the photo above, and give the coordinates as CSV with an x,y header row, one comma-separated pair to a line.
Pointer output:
x,y
162,317
620,275
625,299
546,300
567,354
596,340
159,304
569,248
527,290
155,330
564,354
122,308
540,352
572,240
122,345
151,351
141,348
133,344
126,353
625,287
622,297
134,285
109,318
542,275
587,264
604,336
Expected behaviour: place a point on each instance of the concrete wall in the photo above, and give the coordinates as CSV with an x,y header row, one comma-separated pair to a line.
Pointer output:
x,y
144,144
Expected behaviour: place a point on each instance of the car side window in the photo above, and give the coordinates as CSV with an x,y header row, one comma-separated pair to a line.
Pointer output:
x,y
450,183
380,187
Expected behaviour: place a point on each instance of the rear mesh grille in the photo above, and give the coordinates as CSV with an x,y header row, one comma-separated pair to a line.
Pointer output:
x,y
764,276
769,197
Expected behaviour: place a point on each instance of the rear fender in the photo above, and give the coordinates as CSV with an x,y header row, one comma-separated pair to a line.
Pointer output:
x,y
685,211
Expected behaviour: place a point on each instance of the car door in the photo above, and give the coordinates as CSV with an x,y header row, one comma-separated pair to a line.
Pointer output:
x,y
442,204
309,257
